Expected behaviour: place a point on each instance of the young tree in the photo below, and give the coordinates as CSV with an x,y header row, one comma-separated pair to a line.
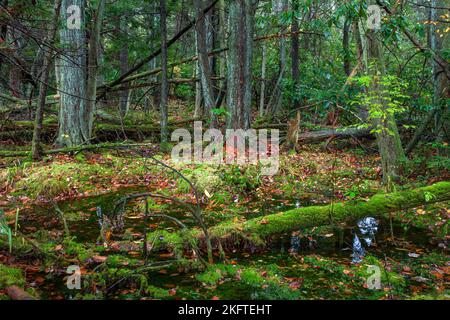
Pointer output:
x,y
36,143
94,56
388,138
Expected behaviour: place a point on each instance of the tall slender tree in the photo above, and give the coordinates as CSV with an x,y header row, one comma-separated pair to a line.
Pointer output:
x,y
203,60
43,84
164,76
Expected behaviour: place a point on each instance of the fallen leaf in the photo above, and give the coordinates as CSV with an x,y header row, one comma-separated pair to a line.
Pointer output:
x,y
99,259
172,292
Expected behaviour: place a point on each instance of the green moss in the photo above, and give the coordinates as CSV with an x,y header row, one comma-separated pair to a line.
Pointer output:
x,y
388,278
157,293
119,260
247,282
320,215
10,277
73,248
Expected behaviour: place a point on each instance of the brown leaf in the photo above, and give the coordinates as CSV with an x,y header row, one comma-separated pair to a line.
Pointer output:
x,y
99,259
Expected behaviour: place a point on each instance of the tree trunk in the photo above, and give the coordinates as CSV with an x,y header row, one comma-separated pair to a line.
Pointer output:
x,y
93,62
439,42
36,143
75,120
164,76
346,46
124,94
295,52
263,80
275,106
388,138
239,79
203,61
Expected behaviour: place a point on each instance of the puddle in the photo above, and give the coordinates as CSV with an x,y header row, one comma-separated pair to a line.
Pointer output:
x,y
82,220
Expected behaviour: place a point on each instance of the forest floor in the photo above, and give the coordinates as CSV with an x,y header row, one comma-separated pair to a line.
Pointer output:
x,y
51,207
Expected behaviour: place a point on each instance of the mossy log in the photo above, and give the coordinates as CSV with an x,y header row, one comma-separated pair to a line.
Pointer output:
x,y
25,153
338,213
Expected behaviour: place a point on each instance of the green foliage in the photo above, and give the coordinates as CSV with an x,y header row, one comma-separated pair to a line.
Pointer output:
x,y
76,249
386,100
10,277
5,230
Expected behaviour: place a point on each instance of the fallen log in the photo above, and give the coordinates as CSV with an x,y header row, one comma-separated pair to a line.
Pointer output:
x,y
317,136
379,205
26,153
16,293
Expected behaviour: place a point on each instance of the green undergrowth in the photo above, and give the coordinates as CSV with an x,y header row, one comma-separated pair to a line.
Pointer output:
x,y
246,282
11,276
80,174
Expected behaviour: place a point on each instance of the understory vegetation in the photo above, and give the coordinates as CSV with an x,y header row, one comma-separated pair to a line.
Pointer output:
x,y
121,131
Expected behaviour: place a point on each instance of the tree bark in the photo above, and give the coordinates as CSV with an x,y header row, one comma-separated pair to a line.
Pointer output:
x,y
388,138
75,120
346,47
343,133
203,59
239,79
263,80
93,61
36,143
164,80
125,94
295,52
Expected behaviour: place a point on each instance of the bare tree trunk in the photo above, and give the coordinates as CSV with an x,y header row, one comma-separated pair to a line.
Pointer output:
x,y
203,59
36,143
198,87
93,62
240,54
75,122
15,73
346,46
164,80
263,80
124,94
223,55
282,6
295,50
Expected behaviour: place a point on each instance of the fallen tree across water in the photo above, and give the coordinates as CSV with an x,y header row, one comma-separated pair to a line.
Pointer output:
x,y
379,205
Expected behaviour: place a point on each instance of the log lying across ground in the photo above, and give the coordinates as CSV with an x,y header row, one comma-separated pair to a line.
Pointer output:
x,y
318,136
346,212
91,147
